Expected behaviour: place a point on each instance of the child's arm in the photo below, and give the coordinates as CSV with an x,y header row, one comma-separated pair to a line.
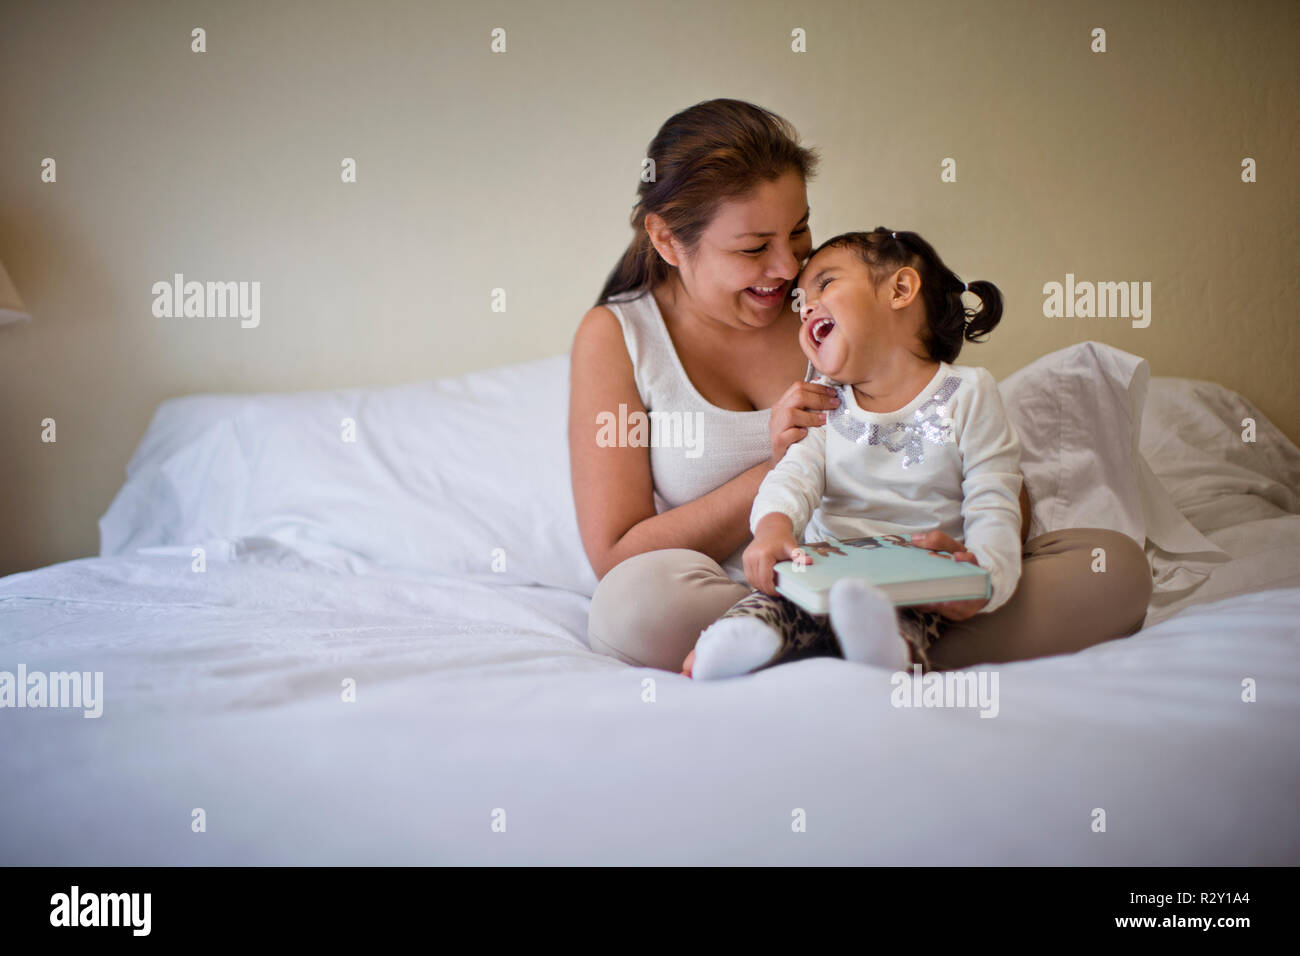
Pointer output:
x,y
991,480
794,487
787,498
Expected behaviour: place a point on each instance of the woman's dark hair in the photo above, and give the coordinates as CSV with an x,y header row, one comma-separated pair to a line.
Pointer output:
x,y
703,156
949,321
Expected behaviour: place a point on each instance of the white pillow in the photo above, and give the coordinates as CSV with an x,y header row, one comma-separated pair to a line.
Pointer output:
x,y
443,473
1192,434
1078,412
466,476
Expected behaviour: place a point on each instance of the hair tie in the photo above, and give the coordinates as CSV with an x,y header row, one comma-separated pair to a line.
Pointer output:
x,y
893,235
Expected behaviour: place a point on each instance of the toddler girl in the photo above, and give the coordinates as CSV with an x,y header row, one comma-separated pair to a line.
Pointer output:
x,y
916,443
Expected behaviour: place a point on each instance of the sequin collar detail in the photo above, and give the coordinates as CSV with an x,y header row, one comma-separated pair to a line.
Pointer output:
x,y
931,422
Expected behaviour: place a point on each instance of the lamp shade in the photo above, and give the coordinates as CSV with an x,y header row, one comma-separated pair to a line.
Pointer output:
x,y
11,304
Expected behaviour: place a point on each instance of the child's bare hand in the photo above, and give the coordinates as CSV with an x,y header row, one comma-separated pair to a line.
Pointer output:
x,y
688,663
762,555
952,610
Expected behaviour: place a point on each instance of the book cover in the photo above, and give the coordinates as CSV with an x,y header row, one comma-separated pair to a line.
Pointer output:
x,y
907,574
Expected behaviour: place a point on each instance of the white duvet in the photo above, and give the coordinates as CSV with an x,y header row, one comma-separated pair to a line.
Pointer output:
x,y
472,699
484,731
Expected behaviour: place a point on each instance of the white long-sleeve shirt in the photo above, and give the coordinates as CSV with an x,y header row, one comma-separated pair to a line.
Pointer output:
x,y
949,459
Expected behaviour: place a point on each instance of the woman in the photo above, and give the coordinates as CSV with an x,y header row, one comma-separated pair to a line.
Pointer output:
x,y
694,323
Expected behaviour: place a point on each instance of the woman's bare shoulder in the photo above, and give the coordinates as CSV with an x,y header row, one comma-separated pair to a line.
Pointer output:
x,y
599,321
599,336
599,356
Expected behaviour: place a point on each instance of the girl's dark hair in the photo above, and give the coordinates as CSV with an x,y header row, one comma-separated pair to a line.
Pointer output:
x,y
703,156
949,321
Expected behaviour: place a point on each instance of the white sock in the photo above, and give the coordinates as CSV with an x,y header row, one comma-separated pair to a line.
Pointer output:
x,y
866,625
732,646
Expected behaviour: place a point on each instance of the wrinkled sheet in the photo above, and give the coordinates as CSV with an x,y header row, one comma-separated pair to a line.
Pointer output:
x,y
223,692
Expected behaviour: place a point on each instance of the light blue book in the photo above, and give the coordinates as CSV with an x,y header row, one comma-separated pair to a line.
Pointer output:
x,y
907,574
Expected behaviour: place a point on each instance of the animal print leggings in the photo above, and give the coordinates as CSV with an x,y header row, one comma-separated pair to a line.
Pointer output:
x,y
811,635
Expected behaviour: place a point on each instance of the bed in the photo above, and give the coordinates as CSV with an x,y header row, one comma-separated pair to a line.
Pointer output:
x,y
349,627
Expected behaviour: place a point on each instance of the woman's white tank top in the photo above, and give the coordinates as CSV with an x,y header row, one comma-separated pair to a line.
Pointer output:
x,y
694,445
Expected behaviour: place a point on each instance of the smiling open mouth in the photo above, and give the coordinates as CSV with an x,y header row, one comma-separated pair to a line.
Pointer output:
x,y
820,330
768,294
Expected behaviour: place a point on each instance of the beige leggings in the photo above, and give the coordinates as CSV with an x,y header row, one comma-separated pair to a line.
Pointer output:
x,y
650,609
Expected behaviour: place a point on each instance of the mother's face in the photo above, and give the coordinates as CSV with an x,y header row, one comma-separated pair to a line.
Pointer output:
x,y
743,271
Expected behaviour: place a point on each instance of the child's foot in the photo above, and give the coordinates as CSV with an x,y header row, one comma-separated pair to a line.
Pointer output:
x,y
866,625
732,646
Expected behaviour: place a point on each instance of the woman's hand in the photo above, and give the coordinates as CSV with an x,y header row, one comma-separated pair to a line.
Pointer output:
x,y
952,610
797,411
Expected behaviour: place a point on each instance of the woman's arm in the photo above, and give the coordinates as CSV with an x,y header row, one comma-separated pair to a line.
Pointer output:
x,y
612,487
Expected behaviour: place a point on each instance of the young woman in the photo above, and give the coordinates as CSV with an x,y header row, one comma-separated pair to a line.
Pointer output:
x,y
695,320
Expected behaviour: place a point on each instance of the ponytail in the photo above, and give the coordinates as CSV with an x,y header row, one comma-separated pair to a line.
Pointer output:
x,y
980,322
640,267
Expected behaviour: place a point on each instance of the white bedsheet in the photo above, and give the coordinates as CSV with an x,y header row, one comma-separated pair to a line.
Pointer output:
x,y
223,692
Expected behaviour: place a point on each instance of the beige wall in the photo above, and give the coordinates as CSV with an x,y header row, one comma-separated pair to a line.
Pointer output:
x,y
518,170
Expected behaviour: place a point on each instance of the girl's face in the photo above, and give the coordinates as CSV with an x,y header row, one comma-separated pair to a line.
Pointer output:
x,y
743,271
850,324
